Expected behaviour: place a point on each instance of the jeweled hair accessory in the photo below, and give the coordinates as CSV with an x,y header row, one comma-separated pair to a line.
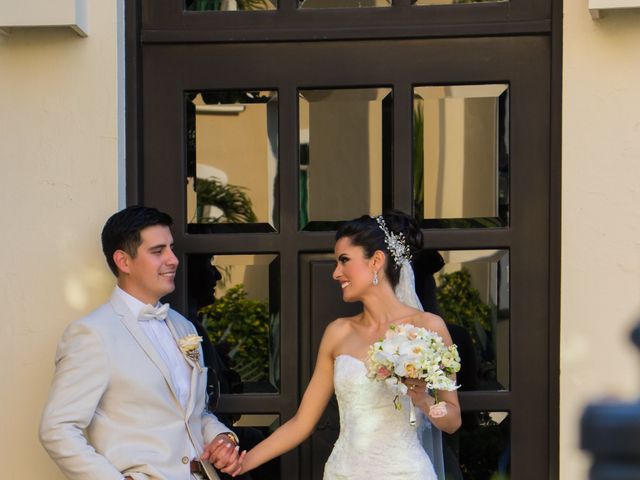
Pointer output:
x,y
395,243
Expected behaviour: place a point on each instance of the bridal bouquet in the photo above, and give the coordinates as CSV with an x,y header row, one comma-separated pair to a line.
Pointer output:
x,y
408,351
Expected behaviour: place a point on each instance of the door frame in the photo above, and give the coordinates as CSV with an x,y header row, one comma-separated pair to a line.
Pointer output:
x,y
144,35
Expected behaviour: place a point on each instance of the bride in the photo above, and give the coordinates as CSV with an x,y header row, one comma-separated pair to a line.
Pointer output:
x,y
376,440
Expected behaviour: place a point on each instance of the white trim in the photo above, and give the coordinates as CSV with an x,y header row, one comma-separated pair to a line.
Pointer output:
x,y
121,110
222,108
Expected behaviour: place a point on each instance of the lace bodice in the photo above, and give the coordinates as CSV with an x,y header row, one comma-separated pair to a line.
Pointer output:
x,y
376,440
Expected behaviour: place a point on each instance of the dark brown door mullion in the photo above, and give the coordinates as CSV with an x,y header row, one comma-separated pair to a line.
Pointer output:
x,y
164,123
163,161
462,239
529,227
287,6
230,243
443,239
288,171
251,403
485,401
291,23
289,261
402,176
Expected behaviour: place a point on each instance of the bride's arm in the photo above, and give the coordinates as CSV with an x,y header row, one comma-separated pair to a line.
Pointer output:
x,y
452,420
315,399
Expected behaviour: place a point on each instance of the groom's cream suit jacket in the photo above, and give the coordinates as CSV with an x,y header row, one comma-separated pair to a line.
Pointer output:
x,y
112,408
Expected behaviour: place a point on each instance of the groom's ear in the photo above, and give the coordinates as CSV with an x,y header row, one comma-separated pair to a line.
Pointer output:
x,y
122,259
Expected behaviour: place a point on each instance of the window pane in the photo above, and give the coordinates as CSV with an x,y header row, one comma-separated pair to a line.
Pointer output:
x,y
230,5
480,450
345,142
461,155
469,289
236,299
344,3
232,161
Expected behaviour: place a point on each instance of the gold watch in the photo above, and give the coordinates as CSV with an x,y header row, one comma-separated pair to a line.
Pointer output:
x,y
231,436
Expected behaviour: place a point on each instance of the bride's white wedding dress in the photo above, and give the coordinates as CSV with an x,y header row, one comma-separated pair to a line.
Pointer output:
x,y
376,440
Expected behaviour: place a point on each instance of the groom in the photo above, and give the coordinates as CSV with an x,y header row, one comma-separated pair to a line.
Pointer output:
x,y
128,394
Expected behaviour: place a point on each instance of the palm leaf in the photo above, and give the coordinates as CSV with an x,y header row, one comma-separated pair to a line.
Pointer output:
x,y
233,200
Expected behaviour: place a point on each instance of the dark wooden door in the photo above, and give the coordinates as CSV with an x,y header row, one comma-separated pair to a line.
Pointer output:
x,y
507,412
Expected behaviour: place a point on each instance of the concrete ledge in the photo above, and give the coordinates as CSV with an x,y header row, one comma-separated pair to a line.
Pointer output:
x,y
44,13
597,8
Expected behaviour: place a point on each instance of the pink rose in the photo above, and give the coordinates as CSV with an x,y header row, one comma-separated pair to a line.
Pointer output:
x,y
438,410
382,373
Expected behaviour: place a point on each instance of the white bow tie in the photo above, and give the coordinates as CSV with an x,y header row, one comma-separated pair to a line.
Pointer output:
x,y
150,312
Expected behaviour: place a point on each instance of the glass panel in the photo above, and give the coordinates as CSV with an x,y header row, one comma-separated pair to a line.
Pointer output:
x,y
480,450
461,155
454,2
469,289
230,5
345,142
232,161
344,3
236,299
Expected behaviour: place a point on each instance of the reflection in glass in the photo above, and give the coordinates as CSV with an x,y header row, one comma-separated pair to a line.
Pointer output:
x,y
230,5
232,160
461,155
480,450
236,299
454,2
344,3
469,289
345,142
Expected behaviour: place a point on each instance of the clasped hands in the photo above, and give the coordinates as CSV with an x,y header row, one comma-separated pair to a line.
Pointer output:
x,y
224,454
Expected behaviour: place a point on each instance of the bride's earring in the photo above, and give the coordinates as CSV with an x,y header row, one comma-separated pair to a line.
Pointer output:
x,y
375,278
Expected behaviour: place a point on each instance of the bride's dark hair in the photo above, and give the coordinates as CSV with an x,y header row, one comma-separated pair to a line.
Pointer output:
x,y
366,233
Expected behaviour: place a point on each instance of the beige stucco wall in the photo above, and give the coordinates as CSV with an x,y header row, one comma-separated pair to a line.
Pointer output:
x,y
58,155
600,216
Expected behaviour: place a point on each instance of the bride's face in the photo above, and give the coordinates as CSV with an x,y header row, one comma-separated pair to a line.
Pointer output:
x,y
354,271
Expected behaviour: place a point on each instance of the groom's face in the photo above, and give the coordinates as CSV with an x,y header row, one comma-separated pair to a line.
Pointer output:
x,y
150,275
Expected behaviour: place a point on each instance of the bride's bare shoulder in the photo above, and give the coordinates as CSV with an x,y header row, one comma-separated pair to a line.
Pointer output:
x,y
342,324
338,329
434,323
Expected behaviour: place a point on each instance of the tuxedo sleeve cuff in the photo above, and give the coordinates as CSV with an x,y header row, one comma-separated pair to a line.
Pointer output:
x,y
136,475
233,435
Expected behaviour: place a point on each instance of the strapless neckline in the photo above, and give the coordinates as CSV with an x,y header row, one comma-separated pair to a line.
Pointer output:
x,y
348,356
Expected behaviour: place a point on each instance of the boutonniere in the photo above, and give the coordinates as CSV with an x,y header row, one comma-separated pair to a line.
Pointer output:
x,y
190,347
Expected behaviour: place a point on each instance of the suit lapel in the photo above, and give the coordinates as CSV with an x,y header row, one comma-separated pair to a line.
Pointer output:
x,y
131,323
178,333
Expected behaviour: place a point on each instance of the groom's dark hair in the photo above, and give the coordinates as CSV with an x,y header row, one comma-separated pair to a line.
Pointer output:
x,y
122,230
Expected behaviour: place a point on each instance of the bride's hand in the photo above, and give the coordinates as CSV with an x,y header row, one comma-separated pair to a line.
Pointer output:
x,y
238,470
417,390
